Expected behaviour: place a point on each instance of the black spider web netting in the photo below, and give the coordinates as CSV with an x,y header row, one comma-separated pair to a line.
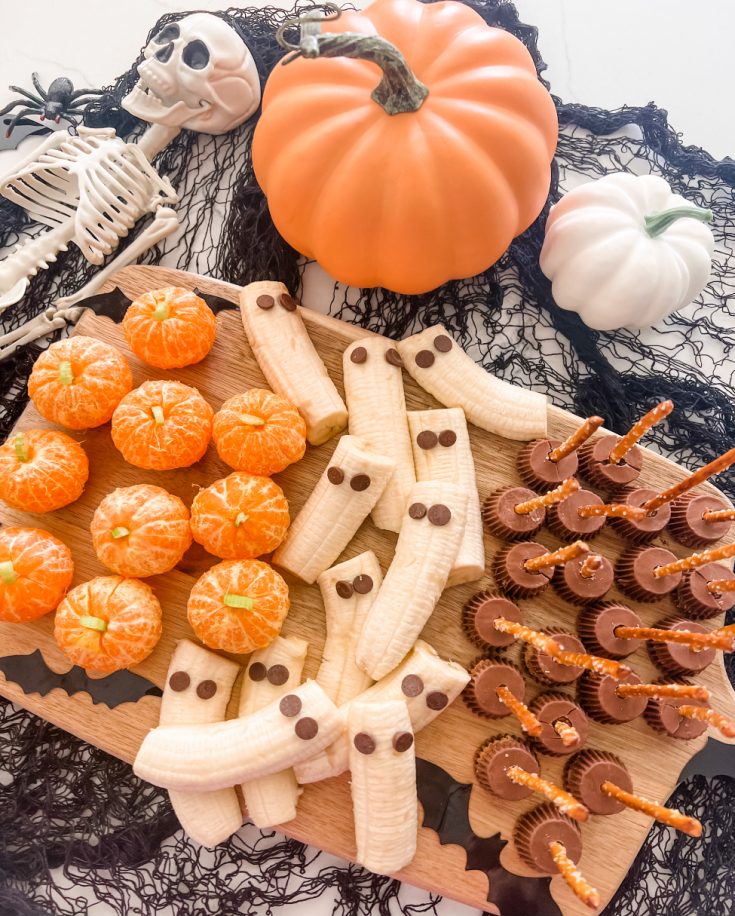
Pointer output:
x,y
75,825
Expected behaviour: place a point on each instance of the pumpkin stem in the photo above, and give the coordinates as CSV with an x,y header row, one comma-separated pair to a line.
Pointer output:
x,y
656,223
398,91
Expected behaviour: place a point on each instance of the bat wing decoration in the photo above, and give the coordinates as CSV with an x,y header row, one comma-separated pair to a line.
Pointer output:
x,y
33,675
714,759
446,811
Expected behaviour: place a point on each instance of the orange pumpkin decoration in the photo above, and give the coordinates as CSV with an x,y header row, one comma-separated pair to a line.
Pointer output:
x,y
42,470
36,569
427,176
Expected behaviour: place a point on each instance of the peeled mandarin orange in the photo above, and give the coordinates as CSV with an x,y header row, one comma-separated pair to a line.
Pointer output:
x,y
78,382
36,569
170,327
140,531
42,470
240,516
108,623
259,432
162,425
238,606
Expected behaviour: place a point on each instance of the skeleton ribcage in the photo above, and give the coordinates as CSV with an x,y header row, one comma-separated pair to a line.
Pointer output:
x,y
97,180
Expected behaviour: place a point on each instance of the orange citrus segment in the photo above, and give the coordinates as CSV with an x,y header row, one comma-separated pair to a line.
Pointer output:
x,y
42,470
238,626
170,327
78,382
140,531
259,432
127,624
240,517
36,569
162,425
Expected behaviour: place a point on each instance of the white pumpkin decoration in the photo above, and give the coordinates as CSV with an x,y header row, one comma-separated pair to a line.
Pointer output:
x,y
625,251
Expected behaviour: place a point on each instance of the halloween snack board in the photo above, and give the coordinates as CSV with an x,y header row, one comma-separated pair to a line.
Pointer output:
x,y
450,740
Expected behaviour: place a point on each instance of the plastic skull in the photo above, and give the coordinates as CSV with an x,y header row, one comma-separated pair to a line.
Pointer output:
x,y
197,74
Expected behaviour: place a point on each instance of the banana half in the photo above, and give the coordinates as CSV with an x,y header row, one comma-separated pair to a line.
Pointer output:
x,y
442,368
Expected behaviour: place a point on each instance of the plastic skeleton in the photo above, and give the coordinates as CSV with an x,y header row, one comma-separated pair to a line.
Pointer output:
x,y
93,188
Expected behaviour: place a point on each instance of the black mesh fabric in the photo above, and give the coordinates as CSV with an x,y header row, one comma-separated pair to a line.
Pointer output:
x,y
75,825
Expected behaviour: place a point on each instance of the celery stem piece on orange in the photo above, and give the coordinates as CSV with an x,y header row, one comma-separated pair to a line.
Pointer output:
x,y
93,623
120,532
240,601
158,416
7,573
21,449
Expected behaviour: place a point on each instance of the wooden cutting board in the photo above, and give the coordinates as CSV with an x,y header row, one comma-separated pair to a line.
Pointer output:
x,y
324,819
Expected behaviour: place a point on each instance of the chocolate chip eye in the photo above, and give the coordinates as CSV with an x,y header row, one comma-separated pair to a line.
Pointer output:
x,y
424,359
179,681
426,439
393,357
288,302
206,690
290,705
364,743
436,700
417,510
412,685
360,482
265,302
307,728
442,343
335,475
343,589
447,438
362,584
359,355
439,515
402,741
277,675
257,671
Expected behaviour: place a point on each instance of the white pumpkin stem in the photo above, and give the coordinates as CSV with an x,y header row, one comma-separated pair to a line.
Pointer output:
x,y
399,91
656,223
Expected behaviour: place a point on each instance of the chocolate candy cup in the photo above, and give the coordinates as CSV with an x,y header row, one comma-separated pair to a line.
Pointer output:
x,y
693,598
594,465
495,757
485,676
663,717
511,576
597,696
501,519
635,576
575,589
687,523
675,658
585,773
564,520
543,668
479,614
538,472
548,707
596,626
537,829
645,529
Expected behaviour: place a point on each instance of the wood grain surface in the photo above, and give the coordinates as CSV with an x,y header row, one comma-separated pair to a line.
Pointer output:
x,y
325,819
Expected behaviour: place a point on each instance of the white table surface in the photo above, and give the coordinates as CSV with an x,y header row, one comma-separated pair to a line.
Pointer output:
x,y
606,53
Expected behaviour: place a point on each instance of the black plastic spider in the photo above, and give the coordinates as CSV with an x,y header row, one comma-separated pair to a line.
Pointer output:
x,y
61,101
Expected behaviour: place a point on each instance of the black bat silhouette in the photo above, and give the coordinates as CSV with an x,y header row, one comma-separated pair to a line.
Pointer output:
x,y
114,303
446,811
33,675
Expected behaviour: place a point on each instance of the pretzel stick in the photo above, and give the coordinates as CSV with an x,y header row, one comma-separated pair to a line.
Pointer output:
x,y
688,691
557,558
591,563
705,714
613,510
577,438
540,641
565,802
639,429
714,640
693,480
669,816
720,515
558,495
605,667
566,731
573,876
720,586
693,561
529,723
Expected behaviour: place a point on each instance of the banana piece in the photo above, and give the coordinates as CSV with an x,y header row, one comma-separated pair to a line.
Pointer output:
x,y
442,368
426,682
287,358
272,673
198,688
339,503
442,451
377,414
432,531
384,802
198,758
